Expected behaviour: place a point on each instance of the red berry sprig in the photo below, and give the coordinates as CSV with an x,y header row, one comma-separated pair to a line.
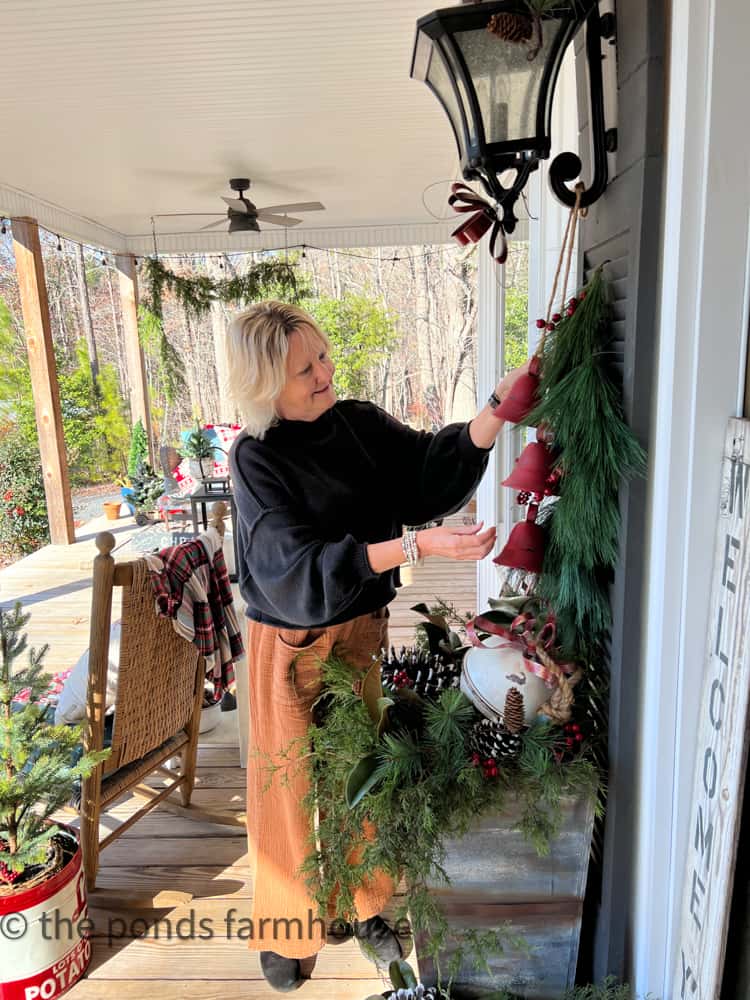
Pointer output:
x,y
489,768
6,875
401,679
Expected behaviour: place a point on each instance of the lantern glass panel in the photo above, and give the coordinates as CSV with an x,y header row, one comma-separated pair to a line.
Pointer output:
x,y
508,99
439,80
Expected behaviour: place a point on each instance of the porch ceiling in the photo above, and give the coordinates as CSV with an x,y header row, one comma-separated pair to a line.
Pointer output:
x,y
116,111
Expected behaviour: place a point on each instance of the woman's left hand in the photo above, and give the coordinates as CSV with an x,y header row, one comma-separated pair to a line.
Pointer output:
x,y
509,380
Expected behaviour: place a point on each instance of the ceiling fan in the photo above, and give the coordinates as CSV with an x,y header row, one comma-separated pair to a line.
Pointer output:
x,y
244,216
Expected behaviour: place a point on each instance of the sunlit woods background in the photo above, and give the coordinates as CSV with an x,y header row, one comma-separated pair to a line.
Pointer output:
x,y
402,321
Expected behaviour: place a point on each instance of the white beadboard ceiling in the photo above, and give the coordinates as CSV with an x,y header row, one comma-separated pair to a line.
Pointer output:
x,y
112,111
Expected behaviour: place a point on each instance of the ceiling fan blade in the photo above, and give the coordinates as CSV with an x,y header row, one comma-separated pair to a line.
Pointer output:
x,y
213,225
236,204
301,206
278,220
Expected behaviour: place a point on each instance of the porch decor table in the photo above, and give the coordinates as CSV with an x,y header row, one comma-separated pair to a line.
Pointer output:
x,y
323,489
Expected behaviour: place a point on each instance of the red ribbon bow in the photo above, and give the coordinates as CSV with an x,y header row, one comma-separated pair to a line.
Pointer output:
x,y
463,199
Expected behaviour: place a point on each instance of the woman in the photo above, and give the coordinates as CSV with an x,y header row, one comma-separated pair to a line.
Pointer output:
x,y
323,489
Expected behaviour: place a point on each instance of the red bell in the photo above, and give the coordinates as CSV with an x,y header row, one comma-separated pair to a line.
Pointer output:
x,y
525,546
532,469
523,397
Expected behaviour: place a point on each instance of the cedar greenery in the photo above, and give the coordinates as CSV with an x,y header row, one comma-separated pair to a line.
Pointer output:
x,y
37,772
418,788
197,292
581,404
155,342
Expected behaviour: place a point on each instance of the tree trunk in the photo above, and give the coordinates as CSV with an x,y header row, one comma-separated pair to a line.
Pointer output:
x,y
85,306
122,364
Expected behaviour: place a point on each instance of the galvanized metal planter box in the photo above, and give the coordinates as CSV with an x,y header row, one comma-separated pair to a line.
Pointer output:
x,y
498,879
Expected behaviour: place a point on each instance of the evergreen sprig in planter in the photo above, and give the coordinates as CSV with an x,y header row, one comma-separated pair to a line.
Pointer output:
x,y
41,874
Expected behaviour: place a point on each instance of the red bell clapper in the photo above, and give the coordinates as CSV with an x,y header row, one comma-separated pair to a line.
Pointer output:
x,y
525,546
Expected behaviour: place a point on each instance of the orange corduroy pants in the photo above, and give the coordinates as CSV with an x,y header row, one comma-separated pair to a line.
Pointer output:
x,y
285,678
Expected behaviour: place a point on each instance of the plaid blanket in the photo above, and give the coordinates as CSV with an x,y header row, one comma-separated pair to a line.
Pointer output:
x,y
191,586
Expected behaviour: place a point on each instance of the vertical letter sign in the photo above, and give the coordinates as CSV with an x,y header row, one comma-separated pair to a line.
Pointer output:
x,y
722,745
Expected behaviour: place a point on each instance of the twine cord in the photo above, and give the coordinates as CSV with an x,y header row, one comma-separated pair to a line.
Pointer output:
x,y
566,256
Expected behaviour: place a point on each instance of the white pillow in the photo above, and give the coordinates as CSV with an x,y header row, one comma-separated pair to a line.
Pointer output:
x,y
71,705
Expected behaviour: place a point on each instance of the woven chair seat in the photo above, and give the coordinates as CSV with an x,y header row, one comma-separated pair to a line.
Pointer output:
x,y
125,777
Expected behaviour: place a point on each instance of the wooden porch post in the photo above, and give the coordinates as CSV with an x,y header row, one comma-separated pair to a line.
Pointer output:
x,y
35,309
139,401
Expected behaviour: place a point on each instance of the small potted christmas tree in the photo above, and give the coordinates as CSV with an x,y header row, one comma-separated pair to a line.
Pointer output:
x,y
40,861
200,453
147,488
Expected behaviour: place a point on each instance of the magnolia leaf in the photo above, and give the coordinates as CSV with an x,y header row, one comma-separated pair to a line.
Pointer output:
x,y
372,692
437,620
402,975
383,705
435,636
362,777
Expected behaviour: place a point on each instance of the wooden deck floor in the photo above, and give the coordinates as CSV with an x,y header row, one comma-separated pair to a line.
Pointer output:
x,y
151,951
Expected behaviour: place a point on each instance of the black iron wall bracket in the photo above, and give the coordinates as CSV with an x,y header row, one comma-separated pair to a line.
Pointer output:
x,y
566,167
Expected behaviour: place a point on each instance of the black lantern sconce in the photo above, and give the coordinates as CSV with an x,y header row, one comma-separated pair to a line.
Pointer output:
x,y
493,66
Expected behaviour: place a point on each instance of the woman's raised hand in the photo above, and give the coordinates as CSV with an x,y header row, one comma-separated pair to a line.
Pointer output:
x,y
466,542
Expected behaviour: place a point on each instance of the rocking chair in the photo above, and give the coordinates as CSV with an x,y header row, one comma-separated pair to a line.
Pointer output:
x,y
157,708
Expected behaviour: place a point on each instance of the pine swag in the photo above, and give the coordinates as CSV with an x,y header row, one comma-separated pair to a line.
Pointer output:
x,y
581,404
197,293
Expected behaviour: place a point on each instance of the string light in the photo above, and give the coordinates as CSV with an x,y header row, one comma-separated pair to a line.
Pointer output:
x,y
189,258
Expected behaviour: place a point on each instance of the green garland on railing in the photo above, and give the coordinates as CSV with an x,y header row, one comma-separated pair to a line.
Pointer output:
x,y
196,293
581,404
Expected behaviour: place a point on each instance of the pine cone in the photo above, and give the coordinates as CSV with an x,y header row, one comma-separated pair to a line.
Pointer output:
x,y
493,740
513,713
511,27
418,992
422,672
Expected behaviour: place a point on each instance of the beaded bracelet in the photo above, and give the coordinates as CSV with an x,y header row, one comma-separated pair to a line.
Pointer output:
x,y
410,547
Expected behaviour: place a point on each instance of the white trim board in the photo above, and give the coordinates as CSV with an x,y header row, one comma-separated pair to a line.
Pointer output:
x,y
699,383
60,221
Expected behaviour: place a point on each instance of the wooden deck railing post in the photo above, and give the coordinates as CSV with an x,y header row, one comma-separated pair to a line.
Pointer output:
x,y
32,289
140,408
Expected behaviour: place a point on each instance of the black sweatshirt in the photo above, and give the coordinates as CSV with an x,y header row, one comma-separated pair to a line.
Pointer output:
x,y
313,494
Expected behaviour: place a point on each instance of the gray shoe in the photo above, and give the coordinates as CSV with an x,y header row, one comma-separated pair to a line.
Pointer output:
x,y
281,973
377,942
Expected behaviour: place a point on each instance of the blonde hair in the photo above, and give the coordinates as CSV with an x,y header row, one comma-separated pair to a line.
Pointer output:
x,y
257,348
